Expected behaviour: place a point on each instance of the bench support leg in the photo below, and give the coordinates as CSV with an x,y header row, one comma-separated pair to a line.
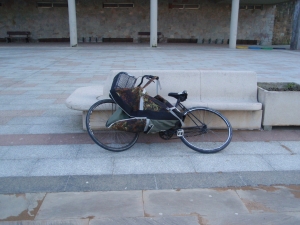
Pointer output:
x,y
267,128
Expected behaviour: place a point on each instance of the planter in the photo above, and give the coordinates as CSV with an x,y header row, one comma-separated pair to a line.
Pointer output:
x,y
281,104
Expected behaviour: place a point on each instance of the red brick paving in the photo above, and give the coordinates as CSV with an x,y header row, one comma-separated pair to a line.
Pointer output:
x,y
83,138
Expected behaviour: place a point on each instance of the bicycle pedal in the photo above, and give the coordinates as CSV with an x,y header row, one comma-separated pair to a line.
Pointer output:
x,y
180,132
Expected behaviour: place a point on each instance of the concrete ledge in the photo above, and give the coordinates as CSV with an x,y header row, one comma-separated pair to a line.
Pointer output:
x,y
15,185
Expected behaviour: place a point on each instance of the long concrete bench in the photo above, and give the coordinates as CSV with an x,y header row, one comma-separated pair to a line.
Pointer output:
x,y
233,93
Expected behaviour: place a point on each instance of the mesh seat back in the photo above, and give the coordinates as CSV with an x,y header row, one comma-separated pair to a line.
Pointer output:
x,y
123,80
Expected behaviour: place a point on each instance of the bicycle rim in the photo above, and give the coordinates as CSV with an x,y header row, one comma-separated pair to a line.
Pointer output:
x,y
109,139
206,130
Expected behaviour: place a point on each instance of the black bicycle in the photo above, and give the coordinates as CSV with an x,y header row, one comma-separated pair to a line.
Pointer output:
x,y
114,124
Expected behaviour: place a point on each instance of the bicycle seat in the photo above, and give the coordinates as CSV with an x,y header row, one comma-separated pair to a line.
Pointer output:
x,y
182,96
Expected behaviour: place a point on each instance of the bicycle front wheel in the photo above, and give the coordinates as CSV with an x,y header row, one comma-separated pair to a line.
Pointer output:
x,y
109,139
206,130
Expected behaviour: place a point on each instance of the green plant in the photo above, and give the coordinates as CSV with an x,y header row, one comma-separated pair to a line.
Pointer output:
x,y
291,86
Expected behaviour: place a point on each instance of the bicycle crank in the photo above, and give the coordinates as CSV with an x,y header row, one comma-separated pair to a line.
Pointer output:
x,y
167,134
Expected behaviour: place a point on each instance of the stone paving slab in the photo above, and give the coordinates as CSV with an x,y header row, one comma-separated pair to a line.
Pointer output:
x,y
48,222
258,218
230,163
261,148
174,220
16,167
236,205
111,182
40,152
91,205
61,167
267,199
290,162
292,146
187,202
20,207
152,165
23,184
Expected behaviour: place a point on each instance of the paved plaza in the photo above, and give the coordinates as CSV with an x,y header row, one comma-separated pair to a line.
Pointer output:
x,y
37,78
45,153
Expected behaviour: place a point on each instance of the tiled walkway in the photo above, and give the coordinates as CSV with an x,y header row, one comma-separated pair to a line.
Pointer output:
x,y
263,205
35,79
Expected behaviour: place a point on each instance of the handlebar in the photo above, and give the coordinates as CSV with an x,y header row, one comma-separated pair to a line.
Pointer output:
x,y
149,77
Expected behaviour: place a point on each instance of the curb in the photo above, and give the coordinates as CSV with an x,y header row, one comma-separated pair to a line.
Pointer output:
x,y
83,183
260,48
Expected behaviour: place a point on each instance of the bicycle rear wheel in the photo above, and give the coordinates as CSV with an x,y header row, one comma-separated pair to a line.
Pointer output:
x,y
109,139
206,130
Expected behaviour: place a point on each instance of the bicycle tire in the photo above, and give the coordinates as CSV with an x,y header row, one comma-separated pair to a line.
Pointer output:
x,y
206,130
109,139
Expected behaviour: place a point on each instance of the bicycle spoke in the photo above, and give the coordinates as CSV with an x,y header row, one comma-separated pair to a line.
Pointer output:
x,y
109,139
207,131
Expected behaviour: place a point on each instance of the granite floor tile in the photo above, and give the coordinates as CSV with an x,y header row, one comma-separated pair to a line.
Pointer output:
x,y
92,205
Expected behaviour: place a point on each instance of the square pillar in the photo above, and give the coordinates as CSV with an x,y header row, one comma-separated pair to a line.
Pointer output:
x,y
295,39
234,23
72,23
153,23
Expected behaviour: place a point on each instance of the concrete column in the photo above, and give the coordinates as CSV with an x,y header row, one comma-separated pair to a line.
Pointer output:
x,y
234,23
72,23
295,39
153,23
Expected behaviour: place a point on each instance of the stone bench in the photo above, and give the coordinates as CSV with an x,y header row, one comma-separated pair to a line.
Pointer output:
x,y
18,33
182,40
233,93
117,39
145,36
